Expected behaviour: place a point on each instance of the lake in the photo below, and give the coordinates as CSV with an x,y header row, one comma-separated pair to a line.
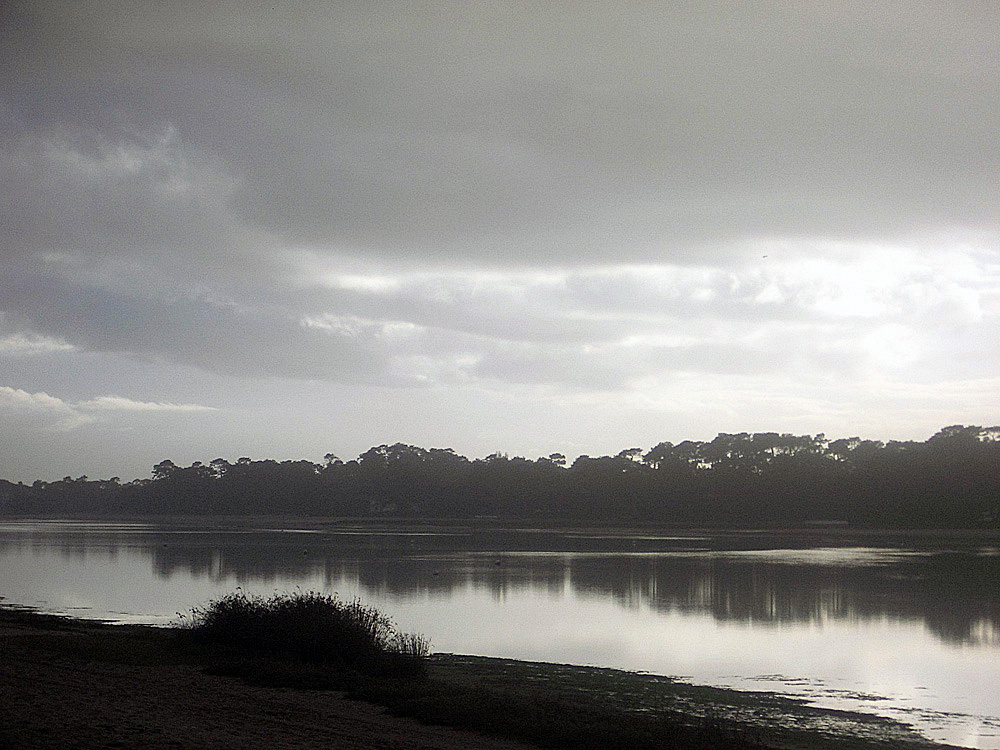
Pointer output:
x,y
904,625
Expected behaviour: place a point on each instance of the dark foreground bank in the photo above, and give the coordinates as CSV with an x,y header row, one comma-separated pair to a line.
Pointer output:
x,y
69,683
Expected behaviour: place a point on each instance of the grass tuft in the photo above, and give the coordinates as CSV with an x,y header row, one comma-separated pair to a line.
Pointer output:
x,y
312,628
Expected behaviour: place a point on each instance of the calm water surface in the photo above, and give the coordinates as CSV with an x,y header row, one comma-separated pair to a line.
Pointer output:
x,y
905,625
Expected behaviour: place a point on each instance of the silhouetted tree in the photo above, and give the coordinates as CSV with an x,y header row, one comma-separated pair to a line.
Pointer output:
x,y
950,480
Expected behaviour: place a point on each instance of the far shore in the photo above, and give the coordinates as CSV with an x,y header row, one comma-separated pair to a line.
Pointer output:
x,y
67,682
498,523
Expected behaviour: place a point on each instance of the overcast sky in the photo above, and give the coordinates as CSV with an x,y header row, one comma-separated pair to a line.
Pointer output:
x,y
279,230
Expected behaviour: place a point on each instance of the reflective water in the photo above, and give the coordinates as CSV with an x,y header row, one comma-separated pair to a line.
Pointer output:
x,y
905,625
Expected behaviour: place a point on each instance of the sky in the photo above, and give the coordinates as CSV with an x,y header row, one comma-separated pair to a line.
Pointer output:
x,y
284,229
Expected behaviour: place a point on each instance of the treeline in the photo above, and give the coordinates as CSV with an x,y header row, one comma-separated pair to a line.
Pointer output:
x,y
951,480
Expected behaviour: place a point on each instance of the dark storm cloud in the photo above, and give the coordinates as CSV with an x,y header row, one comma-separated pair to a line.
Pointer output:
x,y
485,133
137,207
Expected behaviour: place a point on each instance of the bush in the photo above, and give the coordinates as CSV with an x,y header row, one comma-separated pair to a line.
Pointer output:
x,y
310,627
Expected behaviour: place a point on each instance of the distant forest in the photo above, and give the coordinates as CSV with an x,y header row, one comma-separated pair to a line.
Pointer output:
x,y
951,480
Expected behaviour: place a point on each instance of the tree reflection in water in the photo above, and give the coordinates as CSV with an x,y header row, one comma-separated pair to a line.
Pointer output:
x,y
947,582
901,624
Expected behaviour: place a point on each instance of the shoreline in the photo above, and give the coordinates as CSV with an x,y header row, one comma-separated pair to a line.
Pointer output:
x,y
66,682
321,521
137,689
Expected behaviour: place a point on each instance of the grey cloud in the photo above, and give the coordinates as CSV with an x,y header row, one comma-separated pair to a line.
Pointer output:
x,y
135,209
24,413
475,133
218,337
121,403
596,326
28,345
618,367
21,410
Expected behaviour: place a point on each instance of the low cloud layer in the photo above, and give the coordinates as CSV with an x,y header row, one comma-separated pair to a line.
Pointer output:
x,y
24,410
120,403
40,411
859,311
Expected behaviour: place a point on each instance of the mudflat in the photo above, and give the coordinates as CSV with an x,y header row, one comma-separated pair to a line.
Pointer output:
x,y
60,689
68,683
